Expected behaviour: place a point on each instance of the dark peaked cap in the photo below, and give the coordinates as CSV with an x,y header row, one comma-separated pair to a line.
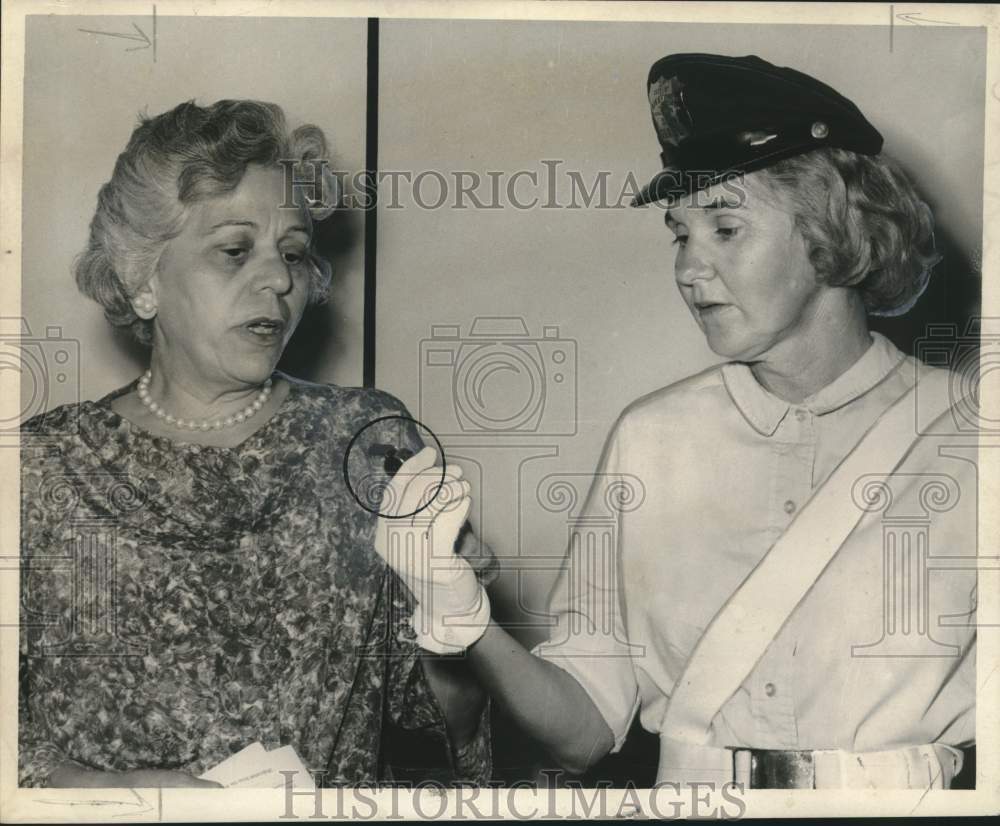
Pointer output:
x,y
716,115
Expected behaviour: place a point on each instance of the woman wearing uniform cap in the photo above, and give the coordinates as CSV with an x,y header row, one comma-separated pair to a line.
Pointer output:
x,y
767,612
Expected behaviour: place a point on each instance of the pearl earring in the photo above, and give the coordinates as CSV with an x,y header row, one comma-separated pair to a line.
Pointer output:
x,y
145,306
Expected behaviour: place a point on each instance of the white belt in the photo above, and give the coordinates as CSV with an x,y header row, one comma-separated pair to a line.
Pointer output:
x,y
912,767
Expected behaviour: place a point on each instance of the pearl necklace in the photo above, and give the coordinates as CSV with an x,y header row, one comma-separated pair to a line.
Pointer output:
x,y
200,424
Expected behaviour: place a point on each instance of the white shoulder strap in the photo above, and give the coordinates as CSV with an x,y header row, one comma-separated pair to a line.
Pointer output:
x,y
739,634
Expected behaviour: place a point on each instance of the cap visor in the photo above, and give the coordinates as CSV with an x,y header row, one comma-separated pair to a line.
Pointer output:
x,y
663,185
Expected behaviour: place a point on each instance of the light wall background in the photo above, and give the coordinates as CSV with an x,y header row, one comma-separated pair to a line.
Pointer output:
x,y
82,96
592,286
504,96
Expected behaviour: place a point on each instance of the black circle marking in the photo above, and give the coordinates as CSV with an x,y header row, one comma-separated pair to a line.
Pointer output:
x,y
347,476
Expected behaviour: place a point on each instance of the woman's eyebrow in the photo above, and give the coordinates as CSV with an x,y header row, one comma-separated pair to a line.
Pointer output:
x,y
723,203
232,223
253,225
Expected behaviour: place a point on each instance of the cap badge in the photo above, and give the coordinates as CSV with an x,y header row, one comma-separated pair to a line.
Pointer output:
x,y
820,130
666,99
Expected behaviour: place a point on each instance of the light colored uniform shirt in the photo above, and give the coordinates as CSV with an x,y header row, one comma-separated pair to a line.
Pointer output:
x,y
881,651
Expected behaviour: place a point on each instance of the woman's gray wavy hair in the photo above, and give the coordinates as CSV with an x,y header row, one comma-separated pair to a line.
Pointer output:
x,y
864,224
172,161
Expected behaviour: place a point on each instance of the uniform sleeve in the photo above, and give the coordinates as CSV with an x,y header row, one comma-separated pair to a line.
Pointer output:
x,y
590,640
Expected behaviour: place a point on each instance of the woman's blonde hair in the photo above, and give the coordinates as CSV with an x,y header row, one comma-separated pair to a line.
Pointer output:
x,y
864,223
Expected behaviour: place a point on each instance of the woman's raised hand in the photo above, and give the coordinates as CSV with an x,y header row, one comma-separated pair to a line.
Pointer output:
x,y
423,509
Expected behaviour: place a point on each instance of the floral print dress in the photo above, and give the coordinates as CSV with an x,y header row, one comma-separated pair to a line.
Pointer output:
x,y
180,602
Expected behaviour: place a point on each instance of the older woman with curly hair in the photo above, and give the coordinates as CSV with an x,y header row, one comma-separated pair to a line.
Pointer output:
x,y
224,586
757,612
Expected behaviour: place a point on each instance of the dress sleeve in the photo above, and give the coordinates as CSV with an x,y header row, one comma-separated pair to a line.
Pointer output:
x,y
590,640
38,715
412,705
38,752
38,755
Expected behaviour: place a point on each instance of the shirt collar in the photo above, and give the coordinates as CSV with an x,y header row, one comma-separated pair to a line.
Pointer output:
x,y
764,411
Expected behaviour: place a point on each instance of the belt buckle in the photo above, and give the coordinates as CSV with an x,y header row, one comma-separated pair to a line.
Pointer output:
x,y
774,768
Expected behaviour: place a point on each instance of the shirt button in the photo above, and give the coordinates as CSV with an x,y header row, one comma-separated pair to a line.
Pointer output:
x,y
789,506
801,415
770,689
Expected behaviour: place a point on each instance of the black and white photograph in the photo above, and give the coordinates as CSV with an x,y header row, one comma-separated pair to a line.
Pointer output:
x,y
498,410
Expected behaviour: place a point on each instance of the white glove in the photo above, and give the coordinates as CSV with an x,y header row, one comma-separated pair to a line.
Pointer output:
x,y
418,543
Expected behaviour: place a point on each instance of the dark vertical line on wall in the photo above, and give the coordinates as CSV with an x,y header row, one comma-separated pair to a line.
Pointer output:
x,y
371,203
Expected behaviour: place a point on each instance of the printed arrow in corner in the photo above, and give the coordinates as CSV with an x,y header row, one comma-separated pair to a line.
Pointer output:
x,y
140,36
916,18
139,803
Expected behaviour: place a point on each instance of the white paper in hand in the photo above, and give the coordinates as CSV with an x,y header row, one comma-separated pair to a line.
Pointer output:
x,y
256,768
235,767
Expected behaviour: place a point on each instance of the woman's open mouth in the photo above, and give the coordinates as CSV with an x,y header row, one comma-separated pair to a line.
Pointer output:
x,y
265,329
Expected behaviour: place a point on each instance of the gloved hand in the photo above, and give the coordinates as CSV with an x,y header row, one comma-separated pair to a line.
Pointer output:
x,y
418,543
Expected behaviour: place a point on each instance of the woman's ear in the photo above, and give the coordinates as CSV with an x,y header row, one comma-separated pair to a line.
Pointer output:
x,y
144,301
